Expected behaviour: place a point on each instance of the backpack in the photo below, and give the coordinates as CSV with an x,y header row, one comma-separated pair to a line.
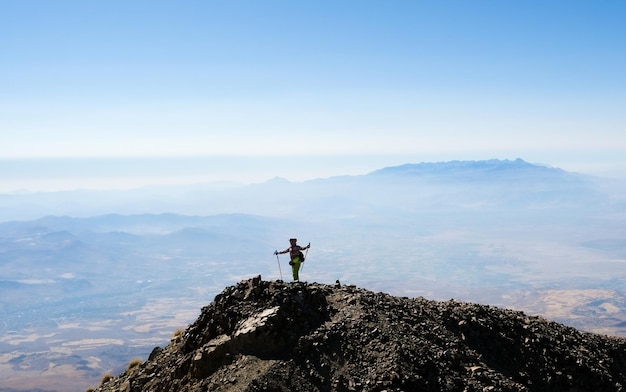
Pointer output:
x,y
301,256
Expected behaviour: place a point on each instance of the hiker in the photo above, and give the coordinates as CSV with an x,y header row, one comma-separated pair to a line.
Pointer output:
x,y
295,252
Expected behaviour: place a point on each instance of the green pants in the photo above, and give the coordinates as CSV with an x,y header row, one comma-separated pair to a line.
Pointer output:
x,y
295,267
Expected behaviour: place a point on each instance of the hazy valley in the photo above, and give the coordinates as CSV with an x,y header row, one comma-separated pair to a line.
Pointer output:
x,y
90,280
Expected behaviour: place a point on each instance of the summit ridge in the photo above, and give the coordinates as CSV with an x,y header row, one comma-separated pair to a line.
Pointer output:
x,y
273,336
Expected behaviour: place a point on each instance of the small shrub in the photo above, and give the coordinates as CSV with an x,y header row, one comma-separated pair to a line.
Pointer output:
x,y
106,378
178,335
133,364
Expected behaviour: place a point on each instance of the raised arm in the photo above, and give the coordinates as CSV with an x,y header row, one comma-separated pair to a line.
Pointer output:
x,y
282,251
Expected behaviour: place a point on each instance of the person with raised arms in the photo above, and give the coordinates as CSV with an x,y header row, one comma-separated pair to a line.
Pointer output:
x,y
297,258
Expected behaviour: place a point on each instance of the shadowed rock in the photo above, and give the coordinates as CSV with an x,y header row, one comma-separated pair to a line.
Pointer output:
x,y
274,336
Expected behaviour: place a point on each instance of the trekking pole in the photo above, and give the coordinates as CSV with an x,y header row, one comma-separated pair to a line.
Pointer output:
x,y
278,261
306,252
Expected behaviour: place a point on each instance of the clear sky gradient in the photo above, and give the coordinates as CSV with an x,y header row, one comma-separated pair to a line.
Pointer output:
x,y
352,85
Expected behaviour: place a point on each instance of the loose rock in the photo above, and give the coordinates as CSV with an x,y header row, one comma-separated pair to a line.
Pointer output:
x,y
274,336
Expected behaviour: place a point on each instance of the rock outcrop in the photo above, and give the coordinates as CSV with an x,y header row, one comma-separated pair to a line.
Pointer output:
x,y
274,336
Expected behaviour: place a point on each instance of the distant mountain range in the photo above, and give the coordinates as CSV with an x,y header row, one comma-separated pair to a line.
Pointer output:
x,y
462,169
278,197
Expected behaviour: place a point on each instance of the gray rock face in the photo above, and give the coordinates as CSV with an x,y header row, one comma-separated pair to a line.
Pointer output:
x,y
275,336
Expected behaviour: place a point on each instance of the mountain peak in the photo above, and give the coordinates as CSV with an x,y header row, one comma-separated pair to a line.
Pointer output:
x,y
491,167
269,335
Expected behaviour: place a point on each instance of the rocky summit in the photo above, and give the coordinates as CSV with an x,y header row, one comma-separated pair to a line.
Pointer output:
x,y
275,336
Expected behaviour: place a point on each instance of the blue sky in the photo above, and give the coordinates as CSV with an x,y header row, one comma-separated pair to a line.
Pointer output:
x,y
352,85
